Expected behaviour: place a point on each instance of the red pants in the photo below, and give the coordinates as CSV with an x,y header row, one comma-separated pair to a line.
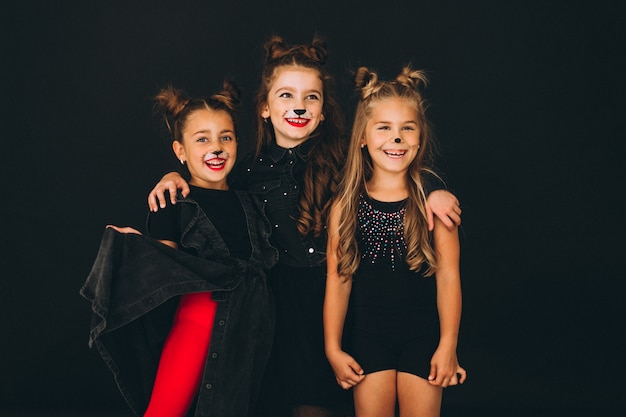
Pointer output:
x,y
183,357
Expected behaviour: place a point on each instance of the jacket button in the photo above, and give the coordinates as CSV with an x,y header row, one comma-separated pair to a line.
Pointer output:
x,y
221,322
208,386
214,355
311,250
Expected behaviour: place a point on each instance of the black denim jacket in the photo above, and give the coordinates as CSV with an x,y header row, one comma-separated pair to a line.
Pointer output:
x,y
276,177
133,287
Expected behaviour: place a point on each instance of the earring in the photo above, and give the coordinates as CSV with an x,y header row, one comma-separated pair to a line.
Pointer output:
x,y
265,120
362,145
182,161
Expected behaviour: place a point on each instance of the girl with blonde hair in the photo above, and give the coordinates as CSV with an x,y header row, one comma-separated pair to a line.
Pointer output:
x,y
393,295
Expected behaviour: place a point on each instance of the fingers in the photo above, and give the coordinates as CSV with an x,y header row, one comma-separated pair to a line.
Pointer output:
x,y
349,382
183,186
462,374
171,187
170,183
156,198
124,229
452,220
447,379
455,215
432,375
447,222
152,202
430,217
345,384
356,368
446,207
351,375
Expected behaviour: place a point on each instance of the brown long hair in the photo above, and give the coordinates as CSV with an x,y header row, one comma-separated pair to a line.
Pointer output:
x,y
358,170
325,158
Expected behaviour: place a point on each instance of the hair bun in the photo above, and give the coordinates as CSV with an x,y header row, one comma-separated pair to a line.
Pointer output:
x,y
275,47
173,100
366,81
412,78
230,95
318,50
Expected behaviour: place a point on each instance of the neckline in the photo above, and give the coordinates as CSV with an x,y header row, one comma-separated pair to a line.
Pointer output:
x,y
370,198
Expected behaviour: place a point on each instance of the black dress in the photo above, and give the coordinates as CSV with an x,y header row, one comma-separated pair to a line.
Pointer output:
x,y
299,373
392,320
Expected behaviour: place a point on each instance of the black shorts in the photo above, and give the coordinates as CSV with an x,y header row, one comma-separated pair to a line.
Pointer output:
x,y
405,343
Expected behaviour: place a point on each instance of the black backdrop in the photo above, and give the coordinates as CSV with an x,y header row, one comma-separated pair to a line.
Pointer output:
x,y
528,102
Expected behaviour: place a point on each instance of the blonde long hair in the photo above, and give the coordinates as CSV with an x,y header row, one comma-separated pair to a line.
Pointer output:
x,y
358,170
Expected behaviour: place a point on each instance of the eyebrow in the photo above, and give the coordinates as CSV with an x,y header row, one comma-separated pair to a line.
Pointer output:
x,y
291,89
221,132
405,122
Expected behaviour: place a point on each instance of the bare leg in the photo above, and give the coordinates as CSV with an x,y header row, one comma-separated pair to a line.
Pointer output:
x,y
417,398
375,396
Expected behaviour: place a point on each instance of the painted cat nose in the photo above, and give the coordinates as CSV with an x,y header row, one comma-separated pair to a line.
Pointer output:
x,y
299,112
218,152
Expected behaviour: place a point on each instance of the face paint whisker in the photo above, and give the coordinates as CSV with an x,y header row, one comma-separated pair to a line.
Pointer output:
x,y
298,114
216,154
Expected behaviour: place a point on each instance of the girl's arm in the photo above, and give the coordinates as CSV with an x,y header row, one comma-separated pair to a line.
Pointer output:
x,y
171,182
445,206
347,371
444,366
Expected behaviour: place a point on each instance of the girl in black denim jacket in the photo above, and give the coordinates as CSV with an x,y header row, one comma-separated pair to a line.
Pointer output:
x,y
185,316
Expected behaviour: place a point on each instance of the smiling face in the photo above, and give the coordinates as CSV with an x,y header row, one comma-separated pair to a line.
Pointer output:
x,y
209,148
294,104
390,120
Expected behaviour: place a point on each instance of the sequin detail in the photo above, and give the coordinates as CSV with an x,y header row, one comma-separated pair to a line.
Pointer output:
x,y
382,234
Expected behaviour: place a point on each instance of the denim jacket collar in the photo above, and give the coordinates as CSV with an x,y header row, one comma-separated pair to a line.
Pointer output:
x,y
276,152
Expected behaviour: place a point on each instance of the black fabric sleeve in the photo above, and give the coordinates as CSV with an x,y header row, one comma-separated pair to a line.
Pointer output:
x,y
433,183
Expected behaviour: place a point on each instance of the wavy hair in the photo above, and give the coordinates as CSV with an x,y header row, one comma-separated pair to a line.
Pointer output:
x,y
323,163
358,170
